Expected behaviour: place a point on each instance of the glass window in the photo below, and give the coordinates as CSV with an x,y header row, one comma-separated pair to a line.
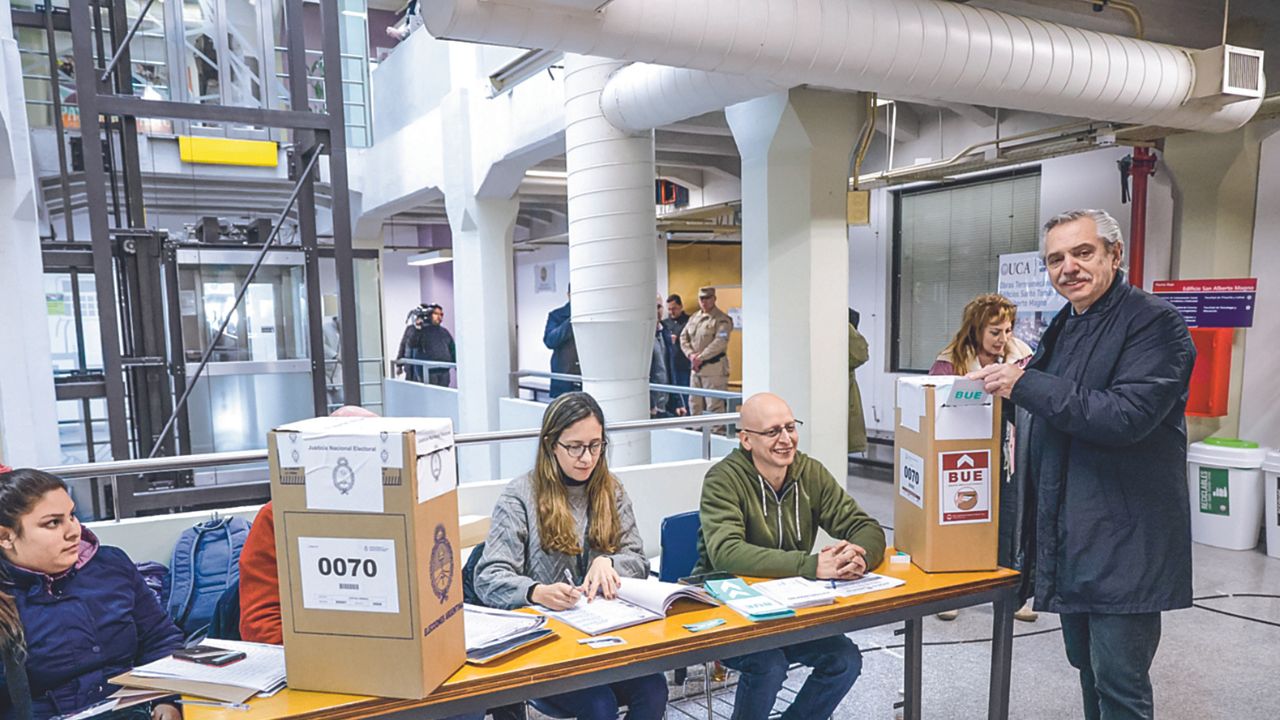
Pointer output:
x,y
947,243
268,326
148,51
200,51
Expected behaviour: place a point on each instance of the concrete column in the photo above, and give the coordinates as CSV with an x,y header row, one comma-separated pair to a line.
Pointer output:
x,y
612,253
1218,183
483,291
28,408
795,149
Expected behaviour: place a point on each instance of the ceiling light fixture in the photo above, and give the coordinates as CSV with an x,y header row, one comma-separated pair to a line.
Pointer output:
x,y
433,257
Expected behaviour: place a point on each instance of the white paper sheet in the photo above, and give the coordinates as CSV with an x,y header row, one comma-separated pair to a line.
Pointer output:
x,y
911,403
487,626
911,477
871,582
349,574
602,615
262,668
965,392
797,592
437,473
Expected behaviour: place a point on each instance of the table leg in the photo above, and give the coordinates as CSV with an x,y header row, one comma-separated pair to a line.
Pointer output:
x,y
1001,655
912,666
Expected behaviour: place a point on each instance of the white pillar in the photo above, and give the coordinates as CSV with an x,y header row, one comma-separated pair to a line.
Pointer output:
x,y
28,406
612,253
795,149
483,291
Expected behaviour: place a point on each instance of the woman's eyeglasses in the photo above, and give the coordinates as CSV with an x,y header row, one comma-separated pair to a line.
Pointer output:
x,y
772,433
576,450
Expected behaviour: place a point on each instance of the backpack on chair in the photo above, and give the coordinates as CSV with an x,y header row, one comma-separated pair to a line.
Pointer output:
x,y
206,561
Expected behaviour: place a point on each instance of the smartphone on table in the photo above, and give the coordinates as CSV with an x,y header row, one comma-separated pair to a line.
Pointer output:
x,y
704,577
209,655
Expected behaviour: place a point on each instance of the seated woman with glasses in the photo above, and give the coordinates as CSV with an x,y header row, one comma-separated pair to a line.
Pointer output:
x,y
565,531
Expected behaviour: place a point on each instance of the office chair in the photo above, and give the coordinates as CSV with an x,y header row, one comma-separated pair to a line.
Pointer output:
x,y
678,537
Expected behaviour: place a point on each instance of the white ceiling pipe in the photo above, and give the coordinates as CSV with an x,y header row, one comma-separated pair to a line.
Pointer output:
x,y
641,96
920,48
612,253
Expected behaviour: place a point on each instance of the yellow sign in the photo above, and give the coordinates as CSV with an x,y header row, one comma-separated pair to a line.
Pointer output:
x,y
226,151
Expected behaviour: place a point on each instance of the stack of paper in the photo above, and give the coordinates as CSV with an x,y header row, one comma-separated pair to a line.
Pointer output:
x,y
495,633
261,671
638,601
746,601
797,592
870,582
119,700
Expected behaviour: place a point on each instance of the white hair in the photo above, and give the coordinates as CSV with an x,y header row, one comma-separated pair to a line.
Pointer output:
x,y
1106,225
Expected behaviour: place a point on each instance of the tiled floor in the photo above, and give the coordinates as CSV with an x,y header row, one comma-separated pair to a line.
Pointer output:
x,y
1209,665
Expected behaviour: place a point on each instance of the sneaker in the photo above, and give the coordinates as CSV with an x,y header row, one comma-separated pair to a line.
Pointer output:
x,y
948,615
1026,614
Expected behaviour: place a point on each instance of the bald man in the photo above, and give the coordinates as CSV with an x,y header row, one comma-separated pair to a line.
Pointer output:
x,y
761,510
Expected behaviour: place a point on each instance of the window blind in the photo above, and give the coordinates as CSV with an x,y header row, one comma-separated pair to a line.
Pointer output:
x,y
948,245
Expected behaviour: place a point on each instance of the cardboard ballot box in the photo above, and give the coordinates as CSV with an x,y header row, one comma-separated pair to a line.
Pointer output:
x,y
366,520
946,474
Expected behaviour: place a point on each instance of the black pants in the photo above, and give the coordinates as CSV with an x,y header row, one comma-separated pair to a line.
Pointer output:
x,y
1113,654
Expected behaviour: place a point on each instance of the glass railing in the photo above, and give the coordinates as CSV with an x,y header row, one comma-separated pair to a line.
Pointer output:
x,y
128,488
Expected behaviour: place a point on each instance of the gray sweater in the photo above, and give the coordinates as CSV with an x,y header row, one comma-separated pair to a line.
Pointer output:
x,y
514,561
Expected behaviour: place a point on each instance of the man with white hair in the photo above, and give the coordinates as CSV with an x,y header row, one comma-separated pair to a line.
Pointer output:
x,y
1105,532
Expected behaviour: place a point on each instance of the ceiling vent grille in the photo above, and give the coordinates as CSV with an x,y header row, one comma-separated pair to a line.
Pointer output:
x,y
1227,73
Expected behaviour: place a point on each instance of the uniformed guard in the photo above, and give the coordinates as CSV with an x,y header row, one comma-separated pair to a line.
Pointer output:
x,y
705,341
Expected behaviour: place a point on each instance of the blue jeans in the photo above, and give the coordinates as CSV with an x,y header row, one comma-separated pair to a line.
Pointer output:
x,y
645,698
836,664
1113,654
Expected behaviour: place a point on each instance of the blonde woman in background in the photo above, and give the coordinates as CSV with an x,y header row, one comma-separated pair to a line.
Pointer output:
x,y
986,338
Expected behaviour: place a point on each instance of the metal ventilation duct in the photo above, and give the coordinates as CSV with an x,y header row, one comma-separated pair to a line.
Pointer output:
x,y
918,48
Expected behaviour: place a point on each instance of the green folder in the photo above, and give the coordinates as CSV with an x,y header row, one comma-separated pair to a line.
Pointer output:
x,y
745,601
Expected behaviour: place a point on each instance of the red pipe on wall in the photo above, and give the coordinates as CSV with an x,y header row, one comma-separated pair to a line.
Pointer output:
x,y
1144,166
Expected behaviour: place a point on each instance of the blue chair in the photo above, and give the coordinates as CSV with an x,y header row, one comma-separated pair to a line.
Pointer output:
x,y
679,539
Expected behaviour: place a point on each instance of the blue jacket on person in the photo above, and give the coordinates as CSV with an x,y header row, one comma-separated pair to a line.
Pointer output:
x,y
558,337
85,626
1102,459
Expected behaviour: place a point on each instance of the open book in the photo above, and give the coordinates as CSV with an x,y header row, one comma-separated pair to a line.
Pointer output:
x,y
638,601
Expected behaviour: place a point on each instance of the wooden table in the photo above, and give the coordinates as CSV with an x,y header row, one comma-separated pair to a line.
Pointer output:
x,y
563,665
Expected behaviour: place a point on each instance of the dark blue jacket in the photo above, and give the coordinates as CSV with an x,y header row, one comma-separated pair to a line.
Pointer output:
x,y
677,361
1102,458
558,337
85,627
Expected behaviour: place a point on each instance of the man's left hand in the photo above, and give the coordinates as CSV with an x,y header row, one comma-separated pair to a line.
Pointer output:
x,y
998,379
850,559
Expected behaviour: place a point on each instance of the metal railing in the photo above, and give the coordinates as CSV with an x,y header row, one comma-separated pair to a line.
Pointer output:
x,y
733,398
113,470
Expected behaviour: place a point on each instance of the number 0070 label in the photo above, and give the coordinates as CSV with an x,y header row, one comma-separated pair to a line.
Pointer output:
x,y
350,574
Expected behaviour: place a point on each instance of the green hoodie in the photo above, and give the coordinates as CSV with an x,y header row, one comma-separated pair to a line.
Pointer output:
x,y
748,529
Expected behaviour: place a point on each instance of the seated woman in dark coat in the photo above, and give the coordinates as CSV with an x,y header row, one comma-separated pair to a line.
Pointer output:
x,y
73,614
